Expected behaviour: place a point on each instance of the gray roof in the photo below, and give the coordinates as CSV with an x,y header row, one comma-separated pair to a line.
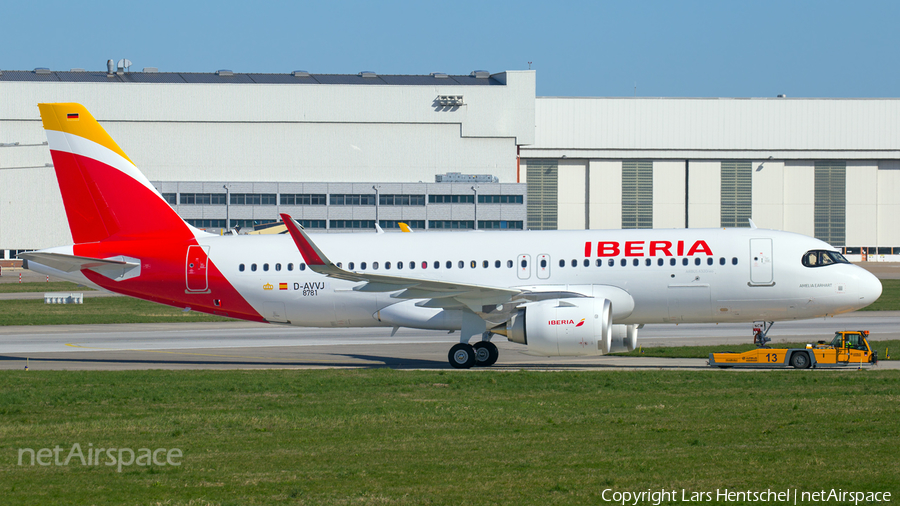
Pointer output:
x,y
197,77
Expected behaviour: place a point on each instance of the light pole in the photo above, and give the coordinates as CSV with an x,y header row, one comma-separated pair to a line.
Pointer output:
x,y
227,202
475,189
376,187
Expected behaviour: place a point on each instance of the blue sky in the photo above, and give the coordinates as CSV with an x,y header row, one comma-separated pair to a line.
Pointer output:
x,y
673,49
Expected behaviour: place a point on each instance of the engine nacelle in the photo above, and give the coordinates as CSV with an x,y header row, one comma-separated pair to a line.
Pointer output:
x,y
407,314
562,327
624,338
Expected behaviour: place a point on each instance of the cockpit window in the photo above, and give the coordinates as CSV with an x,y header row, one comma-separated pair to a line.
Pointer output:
x,y
821,258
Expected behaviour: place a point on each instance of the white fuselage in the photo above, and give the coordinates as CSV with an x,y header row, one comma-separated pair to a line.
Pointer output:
x,y
750,275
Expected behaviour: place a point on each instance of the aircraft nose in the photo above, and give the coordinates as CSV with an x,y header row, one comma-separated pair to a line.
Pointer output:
x,y
869,290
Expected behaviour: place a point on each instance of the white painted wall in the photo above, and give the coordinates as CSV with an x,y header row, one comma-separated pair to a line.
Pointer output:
x,y
704,209
570,188
668,194
862,191
606,194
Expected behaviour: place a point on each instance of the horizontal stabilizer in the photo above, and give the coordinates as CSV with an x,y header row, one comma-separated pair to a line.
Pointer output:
x,y
115,268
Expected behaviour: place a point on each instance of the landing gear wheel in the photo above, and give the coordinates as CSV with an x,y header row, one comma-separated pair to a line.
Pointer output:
x,y
486,354
800,360
462,356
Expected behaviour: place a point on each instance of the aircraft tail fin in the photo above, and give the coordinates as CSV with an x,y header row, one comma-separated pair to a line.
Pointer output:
x,y
104,193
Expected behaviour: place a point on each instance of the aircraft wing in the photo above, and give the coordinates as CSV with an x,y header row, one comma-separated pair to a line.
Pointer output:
x,y
441,293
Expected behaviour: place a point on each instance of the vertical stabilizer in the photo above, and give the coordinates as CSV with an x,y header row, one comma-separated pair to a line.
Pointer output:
x,y
104,194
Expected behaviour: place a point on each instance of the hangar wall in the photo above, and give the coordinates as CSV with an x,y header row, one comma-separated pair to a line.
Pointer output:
x,y
828,168
248,128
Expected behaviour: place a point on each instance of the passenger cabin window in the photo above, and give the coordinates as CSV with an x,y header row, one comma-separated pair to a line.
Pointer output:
x,y
253,267
350,266
302,267
449,264
821,258
509,264
463,264
278,267
266,267
562,263
362,266
241,267
290,267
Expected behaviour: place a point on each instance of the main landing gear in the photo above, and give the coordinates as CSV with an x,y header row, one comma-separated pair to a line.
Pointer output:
x,y
465,356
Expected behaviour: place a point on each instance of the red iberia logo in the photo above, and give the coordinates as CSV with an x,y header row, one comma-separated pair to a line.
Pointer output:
x,y
566,322
282,286
268,286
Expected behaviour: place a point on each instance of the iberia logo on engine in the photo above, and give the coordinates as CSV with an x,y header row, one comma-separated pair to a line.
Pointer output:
x,y
566,322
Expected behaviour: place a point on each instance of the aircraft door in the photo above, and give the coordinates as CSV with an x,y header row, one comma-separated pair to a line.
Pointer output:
x,y
523,266
761,262
195,268
542,266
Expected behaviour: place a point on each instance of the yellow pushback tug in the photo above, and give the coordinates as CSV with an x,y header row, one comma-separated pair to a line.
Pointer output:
x,y
848,348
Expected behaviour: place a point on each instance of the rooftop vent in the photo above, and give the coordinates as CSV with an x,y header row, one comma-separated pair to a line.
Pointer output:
x,y
450,100
224,73
480,74
300,73
367,73
150,70
782,96
76,70
439,75
41,70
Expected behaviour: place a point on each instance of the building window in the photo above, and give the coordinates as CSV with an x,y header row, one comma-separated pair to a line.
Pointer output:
x,y
253,199
451,199
500,199
637,194
170,198
206,223
346,199
395,224
831,202
251,223
358,224
451,224
500,224
543,200
202,199
302,199
736,194
401,200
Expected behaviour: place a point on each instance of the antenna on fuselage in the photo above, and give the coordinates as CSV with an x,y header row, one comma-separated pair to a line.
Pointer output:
x,y
752,225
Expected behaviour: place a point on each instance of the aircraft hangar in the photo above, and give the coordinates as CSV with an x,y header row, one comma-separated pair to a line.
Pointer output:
x,y
461,152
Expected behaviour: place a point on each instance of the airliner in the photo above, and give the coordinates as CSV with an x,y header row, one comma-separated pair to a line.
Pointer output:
x,y
557,293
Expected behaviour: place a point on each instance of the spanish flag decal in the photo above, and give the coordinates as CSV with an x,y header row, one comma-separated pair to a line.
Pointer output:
x,y
72,116
282,286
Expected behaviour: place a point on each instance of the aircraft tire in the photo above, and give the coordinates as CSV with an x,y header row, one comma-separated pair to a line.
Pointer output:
x,y
800,360
462,356
486,354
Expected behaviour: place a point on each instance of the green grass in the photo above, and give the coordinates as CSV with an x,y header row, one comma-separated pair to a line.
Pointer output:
x,y
446,437
96,310
703,351
55,286
890,297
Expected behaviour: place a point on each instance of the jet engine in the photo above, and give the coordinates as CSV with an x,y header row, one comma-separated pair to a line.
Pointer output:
x,y
568,327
